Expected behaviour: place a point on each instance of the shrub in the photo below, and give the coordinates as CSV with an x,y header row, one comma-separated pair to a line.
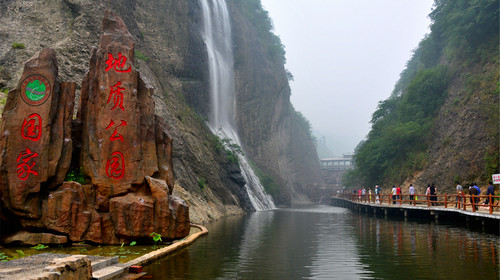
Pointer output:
x,y
75,175
17,46
202,183
141,56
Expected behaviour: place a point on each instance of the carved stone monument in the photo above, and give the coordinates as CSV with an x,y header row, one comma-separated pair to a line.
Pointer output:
x,y
125,154
35,143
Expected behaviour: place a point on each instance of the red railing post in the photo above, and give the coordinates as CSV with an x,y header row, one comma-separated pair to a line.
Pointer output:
x,y
491,205
445,201
428,204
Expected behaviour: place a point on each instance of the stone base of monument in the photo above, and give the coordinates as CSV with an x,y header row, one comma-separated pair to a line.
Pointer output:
x,y
87,266
53,266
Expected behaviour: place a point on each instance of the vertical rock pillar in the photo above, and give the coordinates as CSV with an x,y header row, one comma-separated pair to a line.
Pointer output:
x,y
117,151
36,128
124,142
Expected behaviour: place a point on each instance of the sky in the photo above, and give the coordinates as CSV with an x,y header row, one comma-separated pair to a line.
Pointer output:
x,y
346,56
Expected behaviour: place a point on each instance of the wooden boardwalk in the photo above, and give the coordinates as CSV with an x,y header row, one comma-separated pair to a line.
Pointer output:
x,y
423,211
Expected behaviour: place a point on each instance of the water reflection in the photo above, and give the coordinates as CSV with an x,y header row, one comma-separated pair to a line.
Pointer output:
x,y
331,243
397,249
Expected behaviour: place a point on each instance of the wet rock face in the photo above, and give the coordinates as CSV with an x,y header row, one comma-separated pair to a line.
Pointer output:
x,y
125,151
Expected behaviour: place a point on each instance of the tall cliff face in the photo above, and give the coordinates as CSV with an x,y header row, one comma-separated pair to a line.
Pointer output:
x,y
268,124
171,54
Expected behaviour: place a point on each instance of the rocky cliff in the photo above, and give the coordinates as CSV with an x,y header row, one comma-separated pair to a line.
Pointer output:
x,y
273,133
171,53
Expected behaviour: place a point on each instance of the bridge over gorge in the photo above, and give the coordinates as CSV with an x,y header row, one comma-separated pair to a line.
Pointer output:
x,y
334,168
484,209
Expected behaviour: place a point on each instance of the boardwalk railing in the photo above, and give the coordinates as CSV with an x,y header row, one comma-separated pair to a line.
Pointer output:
x,y
460,201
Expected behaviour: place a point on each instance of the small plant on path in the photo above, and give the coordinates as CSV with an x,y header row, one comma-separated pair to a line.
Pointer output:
x,y
156,237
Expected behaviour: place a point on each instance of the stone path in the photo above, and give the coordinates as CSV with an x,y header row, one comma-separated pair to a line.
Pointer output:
x,y
103,268
25,268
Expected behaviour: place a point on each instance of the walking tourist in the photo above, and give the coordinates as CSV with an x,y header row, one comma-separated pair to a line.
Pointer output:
x,y
393,193
398,194
474,185
473,193
490,190
478,193
411,192
433,192
459,195
377,194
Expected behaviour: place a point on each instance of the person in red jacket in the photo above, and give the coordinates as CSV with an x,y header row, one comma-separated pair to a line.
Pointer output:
x,y
398,194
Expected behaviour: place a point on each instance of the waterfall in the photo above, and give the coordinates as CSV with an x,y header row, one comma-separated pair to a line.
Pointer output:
x,y
222,119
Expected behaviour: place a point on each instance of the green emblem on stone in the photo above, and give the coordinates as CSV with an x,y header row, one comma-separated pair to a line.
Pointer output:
x,y
35,90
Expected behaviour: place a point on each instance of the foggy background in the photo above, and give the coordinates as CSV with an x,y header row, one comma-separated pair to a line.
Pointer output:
x,y
345,57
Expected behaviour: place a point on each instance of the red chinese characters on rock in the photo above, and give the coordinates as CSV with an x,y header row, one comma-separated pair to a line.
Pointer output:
x,y
116,92
117,63
25,164
116,135
115,165
32,127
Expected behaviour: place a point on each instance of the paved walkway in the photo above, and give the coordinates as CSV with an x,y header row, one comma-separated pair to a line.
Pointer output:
x,y
423,204
103,267
482,212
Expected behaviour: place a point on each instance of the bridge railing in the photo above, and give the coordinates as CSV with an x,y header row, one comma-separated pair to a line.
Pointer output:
x,y
460,201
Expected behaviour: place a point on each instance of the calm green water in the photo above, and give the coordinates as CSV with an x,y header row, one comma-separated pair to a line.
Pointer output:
x,y
332,243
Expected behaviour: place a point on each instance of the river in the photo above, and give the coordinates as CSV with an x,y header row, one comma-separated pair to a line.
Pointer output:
x,y
324,242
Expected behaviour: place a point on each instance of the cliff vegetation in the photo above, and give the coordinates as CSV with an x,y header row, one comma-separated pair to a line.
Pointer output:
x,y
441,122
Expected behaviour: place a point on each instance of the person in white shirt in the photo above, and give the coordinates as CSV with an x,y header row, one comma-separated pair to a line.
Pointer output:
x,y
377,194
460,191
393,192
411,192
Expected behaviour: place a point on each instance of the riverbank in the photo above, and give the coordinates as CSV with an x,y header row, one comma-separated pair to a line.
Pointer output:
x,y
101,268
